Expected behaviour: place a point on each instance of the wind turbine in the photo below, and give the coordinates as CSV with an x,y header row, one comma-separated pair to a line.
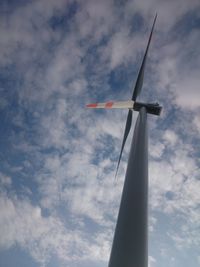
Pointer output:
x,y
130,244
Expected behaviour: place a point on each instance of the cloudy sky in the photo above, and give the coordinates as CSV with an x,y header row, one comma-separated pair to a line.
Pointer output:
x,y
58,197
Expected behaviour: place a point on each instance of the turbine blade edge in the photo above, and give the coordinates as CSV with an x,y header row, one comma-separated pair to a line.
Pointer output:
x,y
126,132
139,81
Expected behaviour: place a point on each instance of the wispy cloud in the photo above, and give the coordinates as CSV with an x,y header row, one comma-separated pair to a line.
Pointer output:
x,y
58,196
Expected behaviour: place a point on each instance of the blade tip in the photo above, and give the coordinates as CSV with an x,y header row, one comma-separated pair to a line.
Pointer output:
x,y
155,17
92,105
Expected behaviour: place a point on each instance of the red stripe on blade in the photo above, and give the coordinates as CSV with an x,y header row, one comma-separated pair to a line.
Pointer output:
x,y
91,105
109,104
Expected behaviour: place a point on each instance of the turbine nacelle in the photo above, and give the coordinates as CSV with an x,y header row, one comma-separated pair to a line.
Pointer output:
x,y
152,108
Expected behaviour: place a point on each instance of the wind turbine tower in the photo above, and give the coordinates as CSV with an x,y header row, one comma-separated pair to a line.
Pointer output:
x,y
130,243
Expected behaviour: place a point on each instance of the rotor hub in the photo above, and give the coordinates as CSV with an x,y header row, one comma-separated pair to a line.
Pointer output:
x,y
152,108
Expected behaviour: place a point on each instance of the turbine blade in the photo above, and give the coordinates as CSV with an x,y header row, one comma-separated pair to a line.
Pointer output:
x,y
108,105
139,81
126,132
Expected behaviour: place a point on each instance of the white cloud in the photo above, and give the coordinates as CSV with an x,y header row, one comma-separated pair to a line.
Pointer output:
x,y
156,150
188,96
180,80
152,261
170,137
23,224
5,181
196,122
121,45
75,160
168,12
95,19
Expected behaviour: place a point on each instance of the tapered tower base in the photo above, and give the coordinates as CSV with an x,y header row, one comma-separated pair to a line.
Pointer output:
x,y
130,244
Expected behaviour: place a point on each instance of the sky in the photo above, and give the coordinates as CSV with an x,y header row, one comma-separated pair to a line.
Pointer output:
x,y
58,197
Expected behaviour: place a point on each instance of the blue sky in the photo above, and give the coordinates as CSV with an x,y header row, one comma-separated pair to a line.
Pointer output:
x,y
58,198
